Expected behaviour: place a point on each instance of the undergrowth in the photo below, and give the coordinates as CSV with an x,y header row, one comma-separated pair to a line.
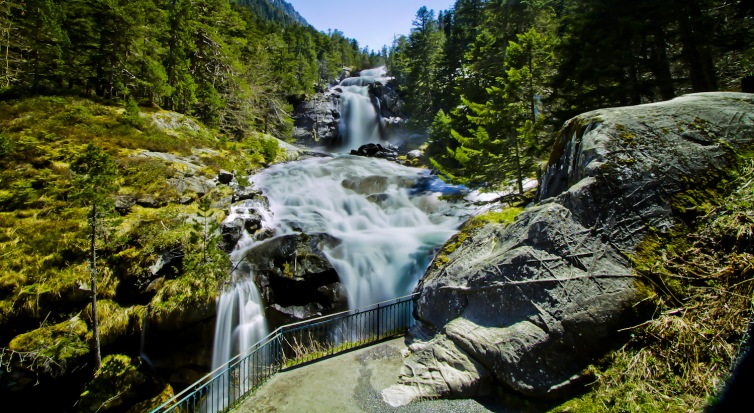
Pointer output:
x,y
44,232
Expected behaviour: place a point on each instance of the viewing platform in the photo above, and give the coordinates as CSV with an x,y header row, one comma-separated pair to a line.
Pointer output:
x,y
349,383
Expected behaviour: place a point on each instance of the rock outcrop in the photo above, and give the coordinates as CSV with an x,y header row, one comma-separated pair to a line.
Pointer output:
x,y
295,278
317,121
532,303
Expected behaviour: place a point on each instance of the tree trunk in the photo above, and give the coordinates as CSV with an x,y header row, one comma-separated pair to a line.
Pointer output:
x,y
661,66
93,274
519,173
695,47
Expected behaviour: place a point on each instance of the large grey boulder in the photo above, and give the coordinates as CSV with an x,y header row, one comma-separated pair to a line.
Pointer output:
x,y
536,301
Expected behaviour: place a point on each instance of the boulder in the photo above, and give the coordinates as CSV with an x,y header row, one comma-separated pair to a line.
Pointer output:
x,y
369,185
232,231
376,150
295,278
150,201
415,154
535,302
224,177
124,203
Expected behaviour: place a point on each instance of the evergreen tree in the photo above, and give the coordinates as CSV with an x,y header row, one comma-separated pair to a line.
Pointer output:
x,y
422,55
94,178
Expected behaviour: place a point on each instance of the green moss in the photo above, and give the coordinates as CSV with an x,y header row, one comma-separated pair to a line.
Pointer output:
x,y
114,382
151,404
53,348
116,322
506,216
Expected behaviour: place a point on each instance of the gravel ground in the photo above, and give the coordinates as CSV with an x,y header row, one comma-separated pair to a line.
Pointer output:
x,y
350,383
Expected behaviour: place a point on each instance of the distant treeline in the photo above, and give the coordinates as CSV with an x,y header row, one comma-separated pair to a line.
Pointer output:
x,y
218,60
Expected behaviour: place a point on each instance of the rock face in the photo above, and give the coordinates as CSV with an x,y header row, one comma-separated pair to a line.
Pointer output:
x,y
295,278
317,121
532,303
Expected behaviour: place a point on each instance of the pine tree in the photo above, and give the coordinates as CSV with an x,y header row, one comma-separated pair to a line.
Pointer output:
x,y
422,54
94,178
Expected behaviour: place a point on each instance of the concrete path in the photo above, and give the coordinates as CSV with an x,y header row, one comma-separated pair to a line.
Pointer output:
x,y
348,383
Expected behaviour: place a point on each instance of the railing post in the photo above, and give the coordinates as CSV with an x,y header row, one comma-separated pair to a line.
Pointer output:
x,y
378,322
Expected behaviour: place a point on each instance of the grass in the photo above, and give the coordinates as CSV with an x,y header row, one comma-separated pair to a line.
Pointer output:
x,y
703,284
44,231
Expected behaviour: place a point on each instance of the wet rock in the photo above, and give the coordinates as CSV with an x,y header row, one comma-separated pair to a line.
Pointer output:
x,y
292,271
376,150
535,302
415,154
245,194
367,186
232,231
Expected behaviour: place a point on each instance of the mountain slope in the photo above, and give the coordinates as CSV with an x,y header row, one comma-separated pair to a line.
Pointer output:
x,y
274,10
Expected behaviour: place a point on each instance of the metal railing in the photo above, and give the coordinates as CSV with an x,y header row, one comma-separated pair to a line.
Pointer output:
x,y
288,346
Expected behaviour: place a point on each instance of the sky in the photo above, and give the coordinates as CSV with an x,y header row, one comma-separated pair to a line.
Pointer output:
x,y
372,23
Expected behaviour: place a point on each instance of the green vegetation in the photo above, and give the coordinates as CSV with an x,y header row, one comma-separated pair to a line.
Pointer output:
x,y
55,150
52,349
118,382
506,216
238,76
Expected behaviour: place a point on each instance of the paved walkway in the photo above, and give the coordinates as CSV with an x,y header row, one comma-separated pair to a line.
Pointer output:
x,y
348,383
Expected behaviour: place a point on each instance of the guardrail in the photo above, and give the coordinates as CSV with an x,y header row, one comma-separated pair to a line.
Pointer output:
x,y
289,346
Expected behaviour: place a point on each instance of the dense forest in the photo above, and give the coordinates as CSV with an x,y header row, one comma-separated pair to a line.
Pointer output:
x,y
84,84
491,79
236,66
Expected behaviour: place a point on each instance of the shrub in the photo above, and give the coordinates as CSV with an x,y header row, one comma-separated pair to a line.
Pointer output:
x,y
77,114
269,149
6,145
132,115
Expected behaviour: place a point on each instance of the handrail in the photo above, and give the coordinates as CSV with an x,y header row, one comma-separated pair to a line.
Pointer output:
x,y
305,341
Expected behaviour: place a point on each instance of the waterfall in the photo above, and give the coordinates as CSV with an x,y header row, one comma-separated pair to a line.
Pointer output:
x,y
388,219
361,120
240,316
387,228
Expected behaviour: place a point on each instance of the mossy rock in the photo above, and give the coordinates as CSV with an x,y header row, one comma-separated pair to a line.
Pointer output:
x,y
119,382
54,349
148,405
116,322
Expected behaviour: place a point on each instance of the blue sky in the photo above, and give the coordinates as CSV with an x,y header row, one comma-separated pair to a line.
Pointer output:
x,y
372,23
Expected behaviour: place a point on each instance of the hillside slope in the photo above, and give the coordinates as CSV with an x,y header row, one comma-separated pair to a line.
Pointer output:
x,y
152,258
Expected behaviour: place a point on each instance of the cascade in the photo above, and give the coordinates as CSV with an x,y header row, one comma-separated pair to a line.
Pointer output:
x,y
388,218
240,316
361,120
386,228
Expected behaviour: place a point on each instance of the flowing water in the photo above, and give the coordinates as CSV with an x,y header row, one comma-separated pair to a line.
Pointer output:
x,y
387,227
389,220
361,120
